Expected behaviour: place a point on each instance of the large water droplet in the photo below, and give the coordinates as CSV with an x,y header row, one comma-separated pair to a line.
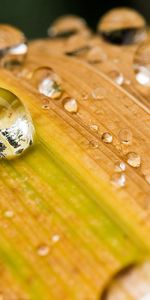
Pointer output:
x,y
16,127
132,283
142,64
134,159
13,46
70,105
122,26
47,82
67,26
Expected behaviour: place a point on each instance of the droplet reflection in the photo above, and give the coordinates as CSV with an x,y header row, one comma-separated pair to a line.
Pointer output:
x,y
16,127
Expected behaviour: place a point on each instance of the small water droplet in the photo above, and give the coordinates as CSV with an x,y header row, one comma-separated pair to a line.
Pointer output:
x,y
67,26
8,213
16,127
117,77
93,144
107,137
96,55
141,64
55,238
13,46
120,166
70,105
133,159
85,97
127,81
94,127
125,136
43,250
47,82
122,26
118,179
98,93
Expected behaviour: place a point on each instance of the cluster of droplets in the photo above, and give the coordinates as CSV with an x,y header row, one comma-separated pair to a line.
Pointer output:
x,y
44,249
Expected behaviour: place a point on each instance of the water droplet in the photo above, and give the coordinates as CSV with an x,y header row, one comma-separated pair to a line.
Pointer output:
x,y
122,26
125,136
13,46
67,26
47,82
94,127
70,105
107,137
45,106
141,64
117,77
43,250
98,93
131,283
118,179
93,144
8,213
55,238
120,166
133,159
96,55
16,127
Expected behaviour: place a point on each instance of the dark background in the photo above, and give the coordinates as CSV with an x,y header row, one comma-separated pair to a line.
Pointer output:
x,y
34,16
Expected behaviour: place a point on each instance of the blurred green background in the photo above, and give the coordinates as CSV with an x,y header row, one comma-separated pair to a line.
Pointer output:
x,y
34,16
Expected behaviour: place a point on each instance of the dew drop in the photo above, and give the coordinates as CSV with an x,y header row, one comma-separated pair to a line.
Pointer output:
x,y
122,26
141,64
16,127
43,250
107,138
117,77
130,283
8,214
94,127
93,144
13,46
133,159
98,93
55,238
47,82
67,26
120,166
70,105
118,179
45,106
96,55
125,136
